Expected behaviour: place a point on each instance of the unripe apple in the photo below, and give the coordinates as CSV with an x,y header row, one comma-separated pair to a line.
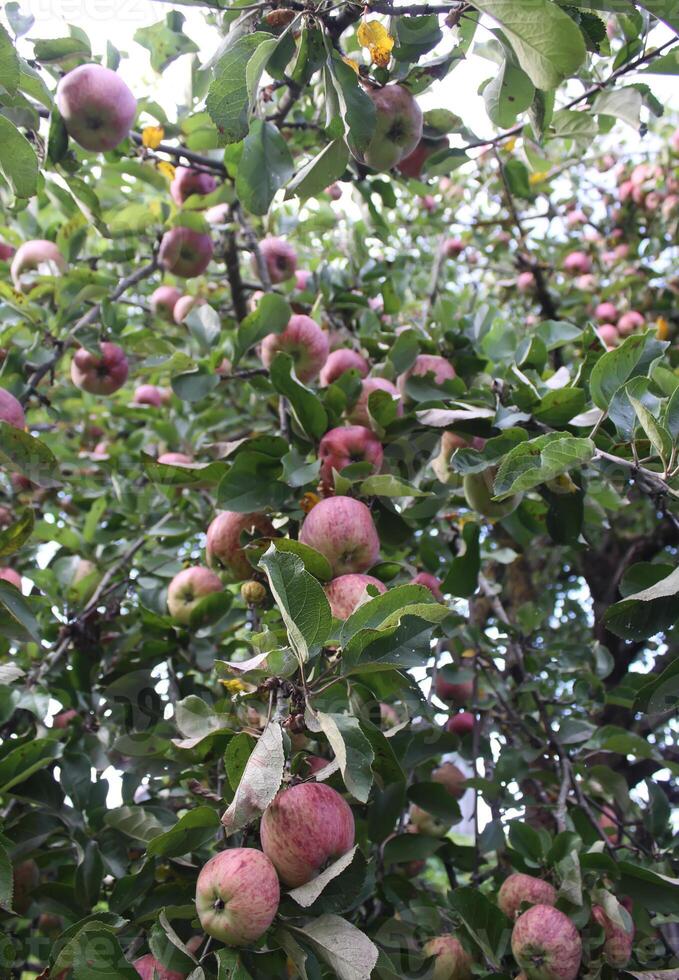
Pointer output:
x,y
39,254
339,362
461,723
224,549
525,282
630,322
412,165
520,888
26,878
164,300
342,529
149,968
346,592
9,575
606,313
6,251
188,181
253,592
306,343
150,395
617,949
100,374
452,961
430,582
609,334
64,718
546,944
280,258
184,305
97,107
174,459
478,491
427,823
305,828
453,247
423,365
397,129
334,191
577,264
11,410
187,589
452,778
185,252
345,445
458,694
237,896
359,413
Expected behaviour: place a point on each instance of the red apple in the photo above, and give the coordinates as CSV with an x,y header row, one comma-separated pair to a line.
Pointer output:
x,y
342,529
413,164
224,549
359,413
187,589
617,949
397,128
315,763
428,203
525,282
11,410
458,694
306,343
305,828
345,445
423,365
451,959
575,218
334,191
339,362
164,300
100,374
64,718
150,395
519,888
149,968
188,181
609,334
430,582
184,306
453,247
586,283
546,944
630,322
606,313
6,252
302,279
237,896
461,723
577,264
185,252
346,592
97,107
9,575
452,778
39,254
280,258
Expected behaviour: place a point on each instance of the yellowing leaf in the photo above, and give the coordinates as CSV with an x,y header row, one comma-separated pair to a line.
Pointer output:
x,y
352,64
308,501
166,169
376,38
662,328
510,144
234,686
152,137
538,177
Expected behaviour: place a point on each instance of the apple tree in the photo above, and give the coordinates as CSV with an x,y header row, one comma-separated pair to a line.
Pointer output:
x,y
339,482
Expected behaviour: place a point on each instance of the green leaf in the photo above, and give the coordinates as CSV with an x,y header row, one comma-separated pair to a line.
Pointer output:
x,y
388,485
463,571
377,613
351,749
252,483
56,49
12,538
631,359
645,613
435,799
23,452
558,407
657,435
6,880
547,43
651,889
22,623
356,107
621,103
301,600
265,166
23,761
304,403
230,966
231,95
509,93
20,23
18,162
319,172
260,781
168,948
165,41
314,562
539,461
347,951
9,63
271,316
191,831
193,386
484,922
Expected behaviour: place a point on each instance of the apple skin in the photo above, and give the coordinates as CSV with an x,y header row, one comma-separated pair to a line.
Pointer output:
x,y
164,300
304,340
100,374
334,192
342,529
577,264
457,694
525,282
302,279
617,948
546,944
397,129
185,252
339,362
453,247
425,364
11,410
461,723
184,306
452,961
149,968
606,313
280,258
346,592
188,181
174,459
34,253
186,590
348,444
150,395
430,582
237,896
478,491
223,548
64,718
97,107
26,878
315,763
518,888
452,778
629,322
304,828
413,164
575,218
450,442
9,575
6,252
609,334
359,415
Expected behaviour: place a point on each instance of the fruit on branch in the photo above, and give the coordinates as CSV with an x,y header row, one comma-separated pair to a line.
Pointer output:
x,y
520,888
224,549
451,959
339,362
629,322
253,593
97,107
397,129
413,164
577,264
187,589
423,365
315,763
163,301
606,313
188,181
151,395
305,828
280,258
306,343
6,251
461,723
11,410
525,282
346,592
302,279
457,694
100,374
617,948
39,254
11,576
174,459
427,823
334,192
237,896
345,445
388,715
185,252
609,334
64,718
430,582
218,214
451,778
546,944
453,248
25,879
478,492
184,306
342,529
450,442
359,412
149,968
